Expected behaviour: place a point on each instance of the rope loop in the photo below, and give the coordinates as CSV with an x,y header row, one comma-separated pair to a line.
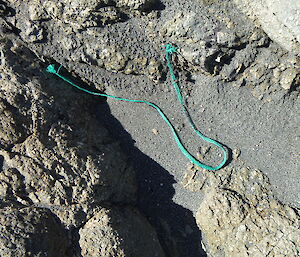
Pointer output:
x,y
170,49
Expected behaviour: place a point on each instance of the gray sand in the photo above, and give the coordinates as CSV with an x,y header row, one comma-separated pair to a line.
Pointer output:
x,y
266,133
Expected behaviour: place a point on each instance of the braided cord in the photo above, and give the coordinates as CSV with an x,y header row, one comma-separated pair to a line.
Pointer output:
x,y
169,51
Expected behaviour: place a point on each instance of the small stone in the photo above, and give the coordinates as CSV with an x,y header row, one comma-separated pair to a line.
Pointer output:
x,y
236,154
200,156
205,149
226,38
155,132
276,73
154,70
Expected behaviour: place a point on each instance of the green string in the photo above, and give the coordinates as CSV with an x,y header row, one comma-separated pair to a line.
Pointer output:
x,y
169,51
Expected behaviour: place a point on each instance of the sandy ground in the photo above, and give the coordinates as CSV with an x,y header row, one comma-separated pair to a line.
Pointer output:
x,y
266,133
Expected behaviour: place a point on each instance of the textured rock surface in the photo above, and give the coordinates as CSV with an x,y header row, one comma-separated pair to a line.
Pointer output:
x,y
110,233
280,19
31,232
57,154
87,39
240,217
57,159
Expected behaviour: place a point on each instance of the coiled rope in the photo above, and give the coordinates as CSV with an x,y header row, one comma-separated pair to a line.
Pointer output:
x,y
169,51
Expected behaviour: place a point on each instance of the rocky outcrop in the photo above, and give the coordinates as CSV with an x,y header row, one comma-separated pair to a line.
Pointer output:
x,y
214,39
240,216
86,38
59,157
221,46
30,231
60,166
110,233
280,19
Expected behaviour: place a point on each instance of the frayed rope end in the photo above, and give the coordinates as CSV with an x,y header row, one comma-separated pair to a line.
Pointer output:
x,y
51,69
170,49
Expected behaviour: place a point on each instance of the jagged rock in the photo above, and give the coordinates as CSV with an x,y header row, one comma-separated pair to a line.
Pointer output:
x,y
279,19
110,233
267,79
211,43
89,13
30,231
57,156
61,161
84,38
32,32
12,129
62,157
136,4
290,78
241,217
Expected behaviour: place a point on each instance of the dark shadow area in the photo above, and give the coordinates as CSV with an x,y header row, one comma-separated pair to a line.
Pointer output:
x,y
1,162
176,227
156,6
75,243
20,60
6,10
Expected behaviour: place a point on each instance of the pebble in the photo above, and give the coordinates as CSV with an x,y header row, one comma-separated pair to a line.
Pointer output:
x,y
155,132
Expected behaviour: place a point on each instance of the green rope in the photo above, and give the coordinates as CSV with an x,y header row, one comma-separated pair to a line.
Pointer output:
x,y
169,51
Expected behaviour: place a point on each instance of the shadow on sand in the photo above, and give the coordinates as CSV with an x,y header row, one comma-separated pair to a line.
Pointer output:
x,y
176,227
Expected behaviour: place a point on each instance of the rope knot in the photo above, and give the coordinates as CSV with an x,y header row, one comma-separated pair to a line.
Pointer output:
x,y
170,49
51,69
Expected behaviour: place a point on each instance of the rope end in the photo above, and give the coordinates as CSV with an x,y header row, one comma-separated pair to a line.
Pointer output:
x,y
51,69
170,48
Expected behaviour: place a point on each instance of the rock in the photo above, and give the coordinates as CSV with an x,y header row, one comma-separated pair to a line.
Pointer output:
x,y
110,233
136,4
84,39
241,217
36,12
61,166
31,232
59,158
32,32
270,73
226,38
236,154
155,132
89,13
280,19
209,43
290,78
12,125
192,180
154,70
